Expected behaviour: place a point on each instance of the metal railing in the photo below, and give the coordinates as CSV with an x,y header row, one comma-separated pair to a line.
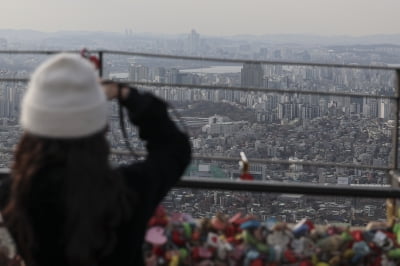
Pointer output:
x,y
357,191
278,187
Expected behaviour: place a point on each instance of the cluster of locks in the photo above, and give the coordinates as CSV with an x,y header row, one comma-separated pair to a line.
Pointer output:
x,y
243,240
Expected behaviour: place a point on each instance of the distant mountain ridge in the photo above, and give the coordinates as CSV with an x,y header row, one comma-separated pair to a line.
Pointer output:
x,y
33,35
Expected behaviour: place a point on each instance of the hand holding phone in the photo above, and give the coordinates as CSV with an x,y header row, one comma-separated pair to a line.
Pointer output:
x,y
114,89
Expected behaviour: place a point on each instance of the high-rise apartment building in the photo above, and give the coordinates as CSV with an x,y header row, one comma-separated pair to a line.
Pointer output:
x,y
193,44
252,75
138,73
3,43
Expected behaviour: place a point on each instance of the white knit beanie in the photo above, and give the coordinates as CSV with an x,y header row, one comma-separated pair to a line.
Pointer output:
x,y
64,99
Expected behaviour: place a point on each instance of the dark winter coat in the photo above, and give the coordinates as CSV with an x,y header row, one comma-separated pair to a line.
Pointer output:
x,y
168,155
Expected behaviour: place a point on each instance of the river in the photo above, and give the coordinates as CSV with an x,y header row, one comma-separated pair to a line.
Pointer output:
x,y
213,70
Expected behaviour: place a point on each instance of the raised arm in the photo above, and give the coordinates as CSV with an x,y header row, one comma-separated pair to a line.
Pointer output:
x,y
168,148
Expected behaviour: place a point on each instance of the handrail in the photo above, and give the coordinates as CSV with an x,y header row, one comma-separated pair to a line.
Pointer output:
x,y
208,59
253,89
278,187
263,90
39,52
291,188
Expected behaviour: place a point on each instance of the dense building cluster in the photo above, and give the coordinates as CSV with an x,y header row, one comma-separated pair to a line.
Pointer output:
x,y
265,125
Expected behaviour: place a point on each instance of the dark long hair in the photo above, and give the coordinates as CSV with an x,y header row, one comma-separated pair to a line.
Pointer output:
x,y
96,201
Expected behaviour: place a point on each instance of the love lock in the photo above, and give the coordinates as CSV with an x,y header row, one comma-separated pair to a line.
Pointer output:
x,y
155,235
279,238
212,240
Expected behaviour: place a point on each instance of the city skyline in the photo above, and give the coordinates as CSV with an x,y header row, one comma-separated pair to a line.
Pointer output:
x,y
315,134
220,18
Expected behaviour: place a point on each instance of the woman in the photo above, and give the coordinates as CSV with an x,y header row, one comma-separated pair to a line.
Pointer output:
x,y
64,205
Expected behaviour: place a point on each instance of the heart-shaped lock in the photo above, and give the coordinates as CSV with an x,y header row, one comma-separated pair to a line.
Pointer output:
x,y
155,235
212,240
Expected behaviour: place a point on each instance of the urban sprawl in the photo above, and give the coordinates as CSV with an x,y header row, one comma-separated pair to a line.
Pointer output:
x,y
225,121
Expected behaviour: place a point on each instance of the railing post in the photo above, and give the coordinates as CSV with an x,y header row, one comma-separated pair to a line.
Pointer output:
x,y
393,204
101,64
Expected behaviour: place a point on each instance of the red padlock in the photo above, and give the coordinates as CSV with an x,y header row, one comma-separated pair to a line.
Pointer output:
x,y
306,263
289,256
257,262
159,217
357,235
177,238
196,235
195,253
158,251
310,225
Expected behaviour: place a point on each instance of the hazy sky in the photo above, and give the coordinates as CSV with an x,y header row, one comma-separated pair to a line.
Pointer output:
x,y
209,17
